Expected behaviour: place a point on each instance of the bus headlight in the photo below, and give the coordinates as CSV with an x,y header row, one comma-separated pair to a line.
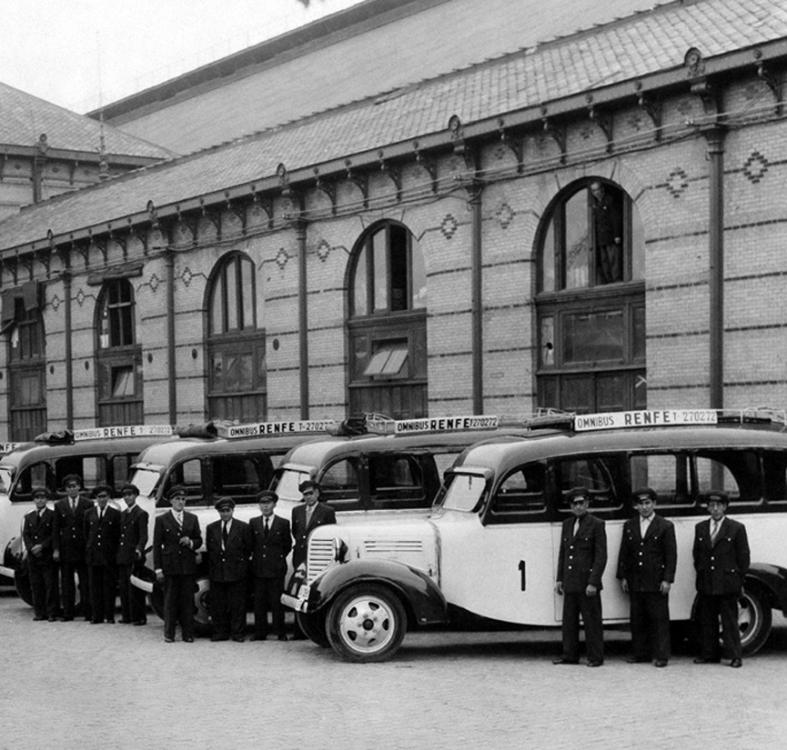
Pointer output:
x,y
339,550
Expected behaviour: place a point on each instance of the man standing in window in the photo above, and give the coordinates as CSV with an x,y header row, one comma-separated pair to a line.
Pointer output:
x,y
102,536
228,543
271,543
646,570
69,546
608,231
581,562
176,539
721,559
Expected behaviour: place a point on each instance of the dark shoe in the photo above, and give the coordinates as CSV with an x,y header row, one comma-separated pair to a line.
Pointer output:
x,y
124,621
140,622
217,638
110,622
239,639
39,618
167,639
282,637
52,619
636,660
595,663
736,663
660,663
561,660
66,619
703,660
259,637
188,639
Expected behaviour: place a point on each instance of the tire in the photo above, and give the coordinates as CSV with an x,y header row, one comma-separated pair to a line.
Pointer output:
x,y
754,619
366,623
202,621
313,627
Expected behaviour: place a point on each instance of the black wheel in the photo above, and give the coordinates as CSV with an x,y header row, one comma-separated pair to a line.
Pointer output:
x,y
313,627
754,619
366,623
22,583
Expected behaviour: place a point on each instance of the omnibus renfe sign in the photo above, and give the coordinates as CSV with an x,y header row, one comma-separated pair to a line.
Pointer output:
x,y
123,431
614,420
440,424
259,429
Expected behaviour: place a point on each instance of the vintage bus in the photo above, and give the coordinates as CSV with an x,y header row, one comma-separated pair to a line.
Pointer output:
x,y
488,552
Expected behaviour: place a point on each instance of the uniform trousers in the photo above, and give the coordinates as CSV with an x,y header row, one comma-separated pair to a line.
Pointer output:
x,y
179,605
709,609
43,590
68,588
650,636
227,604
103,579
267,598
132,599
589,607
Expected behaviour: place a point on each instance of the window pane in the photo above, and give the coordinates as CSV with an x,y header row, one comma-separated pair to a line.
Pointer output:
x,y
360,296
735,472
233,284
396,361
521,491
590,337
547,348
637,244
399,261
577,241
666,474
238,375
419,276
600,476
247,293
638,333
380,266
548,259
217,306
122,381
606,206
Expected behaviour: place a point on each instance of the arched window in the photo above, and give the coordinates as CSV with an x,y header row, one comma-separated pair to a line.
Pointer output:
x,y
387,325
236,345
118,356
27,371
591,301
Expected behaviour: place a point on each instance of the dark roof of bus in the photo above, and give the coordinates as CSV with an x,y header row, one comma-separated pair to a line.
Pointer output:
x,y
162,454
538,445
317,452
30,452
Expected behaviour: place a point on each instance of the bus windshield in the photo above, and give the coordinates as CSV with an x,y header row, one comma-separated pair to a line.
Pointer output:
x,y
6,475
463,491
145,480
288,482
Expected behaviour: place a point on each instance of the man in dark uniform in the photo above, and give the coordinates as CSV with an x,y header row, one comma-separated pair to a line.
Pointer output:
x,y
37,534
69,546
721,559
608,230
102,536
271,543
646,570
176,539
131,553
228,543
311,514
581,562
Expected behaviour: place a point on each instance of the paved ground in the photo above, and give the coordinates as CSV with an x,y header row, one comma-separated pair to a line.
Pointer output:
x,y
76,685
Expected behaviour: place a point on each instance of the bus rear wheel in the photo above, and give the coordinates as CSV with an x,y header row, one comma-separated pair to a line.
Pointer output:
x,y
366,623
754,619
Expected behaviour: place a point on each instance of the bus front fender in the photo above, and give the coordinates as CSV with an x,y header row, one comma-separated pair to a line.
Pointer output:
x,y
419,593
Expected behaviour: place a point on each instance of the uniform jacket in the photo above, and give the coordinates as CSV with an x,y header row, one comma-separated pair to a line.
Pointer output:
x,y
583,557
133,535
232,562
722,564
69,538
102,537
37,530
269,553
645,563
169,555
321,515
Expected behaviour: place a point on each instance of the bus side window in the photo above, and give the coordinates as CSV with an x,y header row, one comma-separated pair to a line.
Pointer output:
x,y
522,491
602,476
37,475
395,482
189,475
666,474
735,472
774,464
339,485
120,471
237,476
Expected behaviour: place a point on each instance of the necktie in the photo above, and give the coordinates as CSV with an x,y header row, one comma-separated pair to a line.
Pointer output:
x,y
576,527
73,505
179,519
714,531
266,526
224,534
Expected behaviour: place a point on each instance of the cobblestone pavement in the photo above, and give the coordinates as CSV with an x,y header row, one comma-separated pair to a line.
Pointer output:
x,y
76,685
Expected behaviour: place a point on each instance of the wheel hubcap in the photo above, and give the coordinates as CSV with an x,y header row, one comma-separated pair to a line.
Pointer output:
x,y
367,624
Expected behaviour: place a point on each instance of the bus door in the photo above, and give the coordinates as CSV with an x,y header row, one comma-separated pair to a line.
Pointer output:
x,y
604,476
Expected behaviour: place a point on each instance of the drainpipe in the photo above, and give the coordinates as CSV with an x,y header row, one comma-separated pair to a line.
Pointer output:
x,y
477,330
169,260
68,348
715,139
303,318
